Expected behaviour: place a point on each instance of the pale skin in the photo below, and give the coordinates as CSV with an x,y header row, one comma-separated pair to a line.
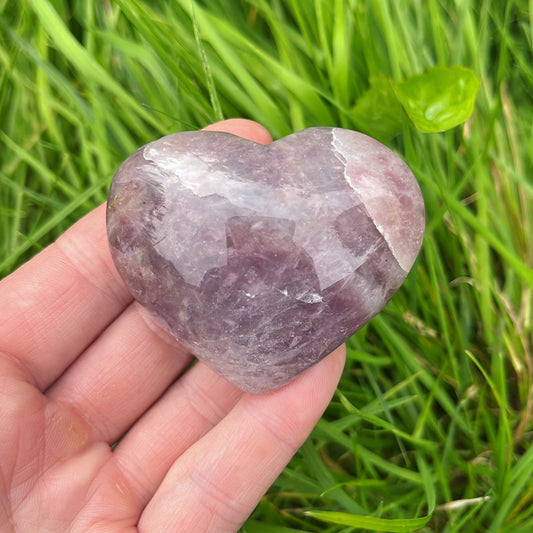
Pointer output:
x,y
82,366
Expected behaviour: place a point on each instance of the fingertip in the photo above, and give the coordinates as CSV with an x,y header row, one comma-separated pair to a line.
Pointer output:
x,y
242,127
321,380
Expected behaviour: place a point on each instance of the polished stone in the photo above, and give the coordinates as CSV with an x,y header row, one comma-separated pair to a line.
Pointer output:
x,y
263,259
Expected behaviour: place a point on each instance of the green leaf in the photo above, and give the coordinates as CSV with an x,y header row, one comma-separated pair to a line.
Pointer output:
x,y
379,422
378,111
394,525
440,98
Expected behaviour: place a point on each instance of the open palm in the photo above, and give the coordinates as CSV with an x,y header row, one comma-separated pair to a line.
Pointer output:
x,y
82,367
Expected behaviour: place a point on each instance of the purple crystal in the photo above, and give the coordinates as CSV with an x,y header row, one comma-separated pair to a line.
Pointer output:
x,y
263,259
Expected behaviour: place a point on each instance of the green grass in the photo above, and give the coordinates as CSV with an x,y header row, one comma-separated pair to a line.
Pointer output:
x,y
434,413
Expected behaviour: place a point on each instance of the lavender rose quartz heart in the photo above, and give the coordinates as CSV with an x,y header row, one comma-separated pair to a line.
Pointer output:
x,y
263,259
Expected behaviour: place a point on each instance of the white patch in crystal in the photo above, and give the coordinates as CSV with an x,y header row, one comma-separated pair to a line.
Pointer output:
x,y
310,298
198,174
368,189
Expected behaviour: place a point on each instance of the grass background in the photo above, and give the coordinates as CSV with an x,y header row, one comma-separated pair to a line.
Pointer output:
x,y
434,413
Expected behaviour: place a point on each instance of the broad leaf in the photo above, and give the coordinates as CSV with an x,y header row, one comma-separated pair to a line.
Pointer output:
x,y
440,98
378,111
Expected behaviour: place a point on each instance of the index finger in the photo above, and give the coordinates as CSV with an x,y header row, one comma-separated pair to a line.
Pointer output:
x,y
55,305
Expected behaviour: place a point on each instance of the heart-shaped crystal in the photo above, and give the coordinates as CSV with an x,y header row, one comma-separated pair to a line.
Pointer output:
x,y
262,259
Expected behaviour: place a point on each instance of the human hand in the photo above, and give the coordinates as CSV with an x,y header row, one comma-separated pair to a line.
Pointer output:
x,y
82,366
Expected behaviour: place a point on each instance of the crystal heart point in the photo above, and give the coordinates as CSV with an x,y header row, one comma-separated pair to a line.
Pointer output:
x,y
262,259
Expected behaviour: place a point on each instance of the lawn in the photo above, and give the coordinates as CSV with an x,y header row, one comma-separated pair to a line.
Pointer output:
x,y
431,427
